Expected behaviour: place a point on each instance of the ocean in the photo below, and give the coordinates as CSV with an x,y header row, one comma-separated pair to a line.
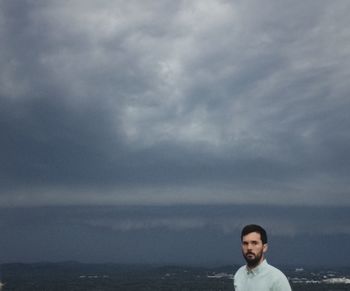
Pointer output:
x,y
69,276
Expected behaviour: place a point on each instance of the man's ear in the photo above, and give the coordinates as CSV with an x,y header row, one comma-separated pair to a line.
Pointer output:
x,y
265,247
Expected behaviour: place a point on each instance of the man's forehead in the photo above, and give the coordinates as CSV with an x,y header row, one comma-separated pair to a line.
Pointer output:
x,y
252,236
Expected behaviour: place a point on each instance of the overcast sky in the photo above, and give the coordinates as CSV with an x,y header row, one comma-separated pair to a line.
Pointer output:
x,y
160,120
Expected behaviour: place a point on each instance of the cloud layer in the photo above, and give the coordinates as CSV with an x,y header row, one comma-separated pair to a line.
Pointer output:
x,y
172,234
201,102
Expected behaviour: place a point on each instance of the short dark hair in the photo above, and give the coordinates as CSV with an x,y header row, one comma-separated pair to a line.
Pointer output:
x,y
254,228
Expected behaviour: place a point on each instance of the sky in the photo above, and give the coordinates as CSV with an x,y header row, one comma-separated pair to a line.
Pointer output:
x,y
152,131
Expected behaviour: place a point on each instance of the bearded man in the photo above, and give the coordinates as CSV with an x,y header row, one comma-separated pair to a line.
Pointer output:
x,y
257,274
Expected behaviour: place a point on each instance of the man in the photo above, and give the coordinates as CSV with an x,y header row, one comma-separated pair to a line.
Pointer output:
x,y
257,274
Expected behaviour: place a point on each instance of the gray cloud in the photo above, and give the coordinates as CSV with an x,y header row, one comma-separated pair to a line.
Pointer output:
x,y
119,97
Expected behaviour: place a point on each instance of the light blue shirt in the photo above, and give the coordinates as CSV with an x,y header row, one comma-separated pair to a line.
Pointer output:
x,y
264,277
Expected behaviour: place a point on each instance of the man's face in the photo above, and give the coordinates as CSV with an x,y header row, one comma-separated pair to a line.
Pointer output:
x,y
253,249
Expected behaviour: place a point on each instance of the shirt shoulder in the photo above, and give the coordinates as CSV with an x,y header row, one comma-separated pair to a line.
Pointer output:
x,y
279,279
240,271
275,272
238,278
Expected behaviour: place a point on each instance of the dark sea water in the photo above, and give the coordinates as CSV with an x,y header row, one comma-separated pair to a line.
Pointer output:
x,y
77,276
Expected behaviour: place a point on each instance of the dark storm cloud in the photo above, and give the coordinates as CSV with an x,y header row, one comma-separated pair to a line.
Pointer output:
x,y
147,103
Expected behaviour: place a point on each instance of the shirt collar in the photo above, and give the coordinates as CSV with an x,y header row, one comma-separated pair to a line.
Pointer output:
x,y
257,269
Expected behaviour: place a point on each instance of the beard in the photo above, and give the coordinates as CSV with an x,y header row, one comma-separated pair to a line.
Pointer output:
x,y
253,259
